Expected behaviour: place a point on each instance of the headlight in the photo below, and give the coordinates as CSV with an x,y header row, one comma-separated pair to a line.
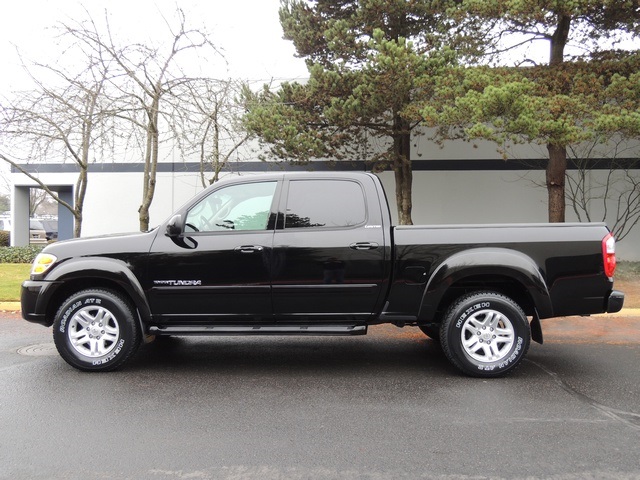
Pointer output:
x,y
42,263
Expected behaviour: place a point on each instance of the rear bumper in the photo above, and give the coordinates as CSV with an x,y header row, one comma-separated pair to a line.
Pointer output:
x,y
615,301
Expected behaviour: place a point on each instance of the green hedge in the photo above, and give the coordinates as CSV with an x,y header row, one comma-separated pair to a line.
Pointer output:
x,y
19,254
5,238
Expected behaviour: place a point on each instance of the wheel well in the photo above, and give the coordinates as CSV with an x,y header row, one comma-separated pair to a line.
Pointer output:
x,y
500,284
72,286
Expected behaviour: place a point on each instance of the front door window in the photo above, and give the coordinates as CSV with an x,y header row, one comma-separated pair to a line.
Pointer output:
x,y
237,207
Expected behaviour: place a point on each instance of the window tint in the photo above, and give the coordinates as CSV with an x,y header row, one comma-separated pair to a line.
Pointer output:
x,y
324,203
237,207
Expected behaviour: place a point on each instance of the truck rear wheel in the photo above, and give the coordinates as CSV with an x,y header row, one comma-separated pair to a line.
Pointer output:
x,y
96,330
485,334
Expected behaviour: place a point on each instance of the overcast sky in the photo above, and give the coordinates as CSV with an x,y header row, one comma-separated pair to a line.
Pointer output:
x,y
248,31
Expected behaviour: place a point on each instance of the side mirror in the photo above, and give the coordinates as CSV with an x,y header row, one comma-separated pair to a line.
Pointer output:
x,y
174,227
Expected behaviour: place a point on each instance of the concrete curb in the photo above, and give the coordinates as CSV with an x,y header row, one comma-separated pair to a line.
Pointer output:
x,y
9,306
625,312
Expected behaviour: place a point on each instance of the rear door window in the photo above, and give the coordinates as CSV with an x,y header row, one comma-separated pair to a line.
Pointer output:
x,y
325,204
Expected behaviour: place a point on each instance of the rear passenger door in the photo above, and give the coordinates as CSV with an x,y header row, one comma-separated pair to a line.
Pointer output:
x,y
328,253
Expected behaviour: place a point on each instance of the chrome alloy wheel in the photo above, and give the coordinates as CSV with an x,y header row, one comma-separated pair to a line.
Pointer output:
x,y
93,331
487,336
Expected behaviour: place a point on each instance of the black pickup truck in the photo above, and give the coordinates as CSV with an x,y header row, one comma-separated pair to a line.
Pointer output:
x,y
315,254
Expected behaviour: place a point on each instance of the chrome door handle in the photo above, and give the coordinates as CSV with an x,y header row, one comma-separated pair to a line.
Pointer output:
x,y
248,248
363,246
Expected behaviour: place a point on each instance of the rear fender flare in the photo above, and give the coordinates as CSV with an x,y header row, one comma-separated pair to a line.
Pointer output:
x,y
485,262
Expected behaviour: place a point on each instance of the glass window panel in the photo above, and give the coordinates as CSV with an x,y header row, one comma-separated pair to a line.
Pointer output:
x,y
236,207
325,203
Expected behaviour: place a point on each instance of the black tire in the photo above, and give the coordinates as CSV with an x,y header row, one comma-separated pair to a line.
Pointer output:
x,y
431,330
485,334
96,330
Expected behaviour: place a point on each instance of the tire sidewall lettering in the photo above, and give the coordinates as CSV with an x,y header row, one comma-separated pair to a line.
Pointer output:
x,y
470,310
67,314
111,356
470,305
502,364
119,307
92,301
513,354
72,310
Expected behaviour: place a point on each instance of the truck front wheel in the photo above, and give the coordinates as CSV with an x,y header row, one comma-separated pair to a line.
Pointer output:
x,y
95,330
485,334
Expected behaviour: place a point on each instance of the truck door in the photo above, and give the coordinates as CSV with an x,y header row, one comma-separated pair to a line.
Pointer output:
x,y
328,253
219,268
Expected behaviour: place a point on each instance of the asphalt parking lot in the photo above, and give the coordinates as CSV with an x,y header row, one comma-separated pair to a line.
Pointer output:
x,y
383,406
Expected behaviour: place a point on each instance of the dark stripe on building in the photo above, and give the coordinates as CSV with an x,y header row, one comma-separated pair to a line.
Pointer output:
x,y
321,166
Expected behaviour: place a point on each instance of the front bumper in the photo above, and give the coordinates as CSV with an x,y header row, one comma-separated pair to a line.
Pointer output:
x,y
34,297
615,301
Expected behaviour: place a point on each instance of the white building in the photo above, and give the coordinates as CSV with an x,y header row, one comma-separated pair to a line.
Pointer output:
x,y
460,183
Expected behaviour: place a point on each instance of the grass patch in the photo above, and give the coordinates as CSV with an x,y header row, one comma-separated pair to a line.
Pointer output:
x,y
11,277
628,271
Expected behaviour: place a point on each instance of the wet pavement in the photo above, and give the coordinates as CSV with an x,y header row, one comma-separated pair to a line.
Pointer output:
x,y
383,406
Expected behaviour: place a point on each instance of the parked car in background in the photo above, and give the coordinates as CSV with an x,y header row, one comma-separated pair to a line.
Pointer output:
x,y
50,228
37,234
39,231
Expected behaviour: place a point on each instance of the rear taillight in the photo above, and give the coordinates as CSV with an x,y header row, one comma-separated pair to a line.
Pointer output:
x,y
609,255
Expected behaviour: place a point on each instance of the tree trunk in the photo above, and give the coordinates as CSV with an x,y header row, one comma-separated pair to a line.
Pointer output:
x,y
83,162
77,231
81,190
559,40
556,172
557,166
151,165
403,170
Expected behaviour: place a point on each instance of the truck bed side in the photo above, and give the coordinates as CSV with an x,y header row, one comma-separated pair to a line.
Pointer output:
x,y
551,269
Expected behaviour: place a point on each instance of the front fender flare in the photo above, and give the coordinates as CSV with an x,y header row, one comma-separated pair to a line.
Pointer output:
x,y
110,269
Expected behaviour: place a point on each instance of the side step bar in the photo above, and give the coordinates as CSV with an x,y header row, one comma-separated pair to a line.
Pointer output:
x,y
259,330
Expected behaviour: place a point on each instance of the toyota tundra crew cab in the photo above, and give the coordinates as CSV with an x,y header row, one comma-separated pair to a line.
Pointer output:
x,y
316,254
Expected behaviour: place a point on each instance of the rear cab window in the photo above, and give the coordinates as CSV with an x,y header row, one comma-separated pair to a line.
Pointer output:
x,y
324,203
